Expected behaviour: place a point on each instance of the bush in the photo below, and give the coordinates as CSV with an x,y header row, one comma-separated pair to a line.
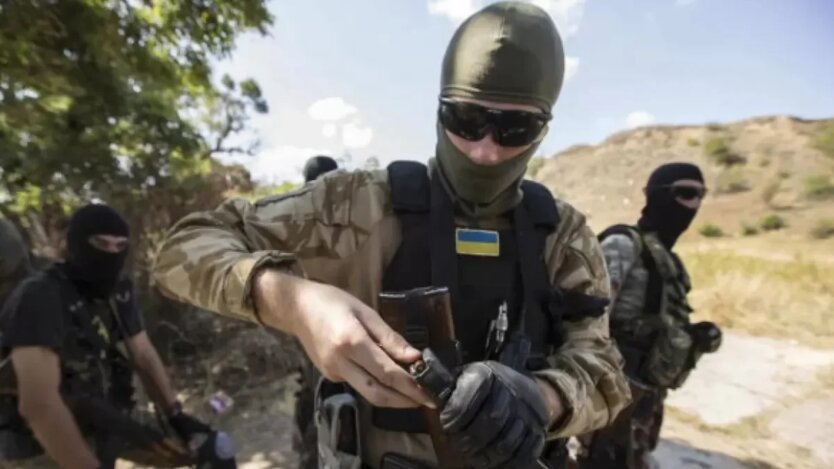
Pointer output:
x,y
783,174
772,223
710,231
732,181
819,187
719,151
824,140
770,190
824,228
692,142
749,230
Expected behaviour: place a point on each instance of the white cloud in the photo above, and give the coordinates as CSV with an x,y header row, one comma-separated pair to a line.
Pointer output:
x,y
329,130
455,10
354,135
571,66
683,3
330,109
639,119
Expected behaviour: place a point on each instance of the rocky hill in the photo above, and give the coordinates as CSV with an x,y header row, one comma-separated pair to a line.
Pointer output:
x,y
754,168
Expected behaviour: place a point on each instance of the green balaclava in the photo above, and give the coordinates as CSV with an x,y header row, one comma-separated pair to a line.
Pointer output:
x,y
508,52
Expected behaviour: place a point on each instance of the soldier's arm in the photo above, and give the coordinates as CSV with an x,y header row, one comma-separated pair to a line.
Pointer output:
x,y
619,252
152,372
586,371
38,378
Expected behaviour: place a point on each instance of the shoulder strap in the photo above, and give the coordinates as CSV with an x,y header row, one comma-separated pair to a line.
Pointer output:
x,y
410,186
541,205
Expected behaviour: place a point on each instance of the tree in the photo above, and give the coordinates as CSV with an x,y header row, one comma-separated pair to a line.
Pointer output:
x,y
114,99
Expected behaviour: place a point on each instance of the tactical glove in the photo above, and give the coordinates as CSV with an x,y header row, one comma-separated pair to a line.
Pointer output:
x,y
495,417
706,336
213,449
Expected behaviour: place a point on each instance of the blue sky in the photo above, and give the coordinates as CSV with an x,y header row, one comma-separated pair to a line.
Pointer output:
x,y
362,76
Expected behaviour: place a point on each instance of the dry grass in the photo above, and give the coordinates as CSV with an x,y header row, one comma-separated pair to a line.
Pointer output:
x,y
784,299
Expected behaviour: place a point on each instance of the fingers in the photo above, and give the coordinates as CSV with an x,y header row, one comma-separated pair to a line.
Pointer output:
x,y
378,364
373,390
393,343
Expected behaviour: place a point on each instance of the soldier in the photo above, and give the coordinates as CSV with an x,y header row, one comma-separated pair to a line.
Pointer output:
x,y
517,264
70,391
650,315
318,166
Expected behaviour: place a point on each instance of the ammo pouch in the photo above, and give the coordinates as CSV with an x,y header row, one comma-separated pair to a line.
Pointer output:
x,y
669,359
337,423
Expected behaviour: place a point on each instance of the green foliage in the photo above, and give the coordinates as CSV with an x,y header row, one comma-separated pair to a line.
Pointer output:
x,y
261,192
770,190
824,139
784,174
732,180
749,230
718,150
772,223
692,142
710,231
115,100
823,228
819,187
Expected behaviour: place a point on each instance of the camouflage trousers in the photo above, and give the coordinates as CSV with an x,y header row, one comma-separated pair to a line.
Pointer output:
x,y
628,442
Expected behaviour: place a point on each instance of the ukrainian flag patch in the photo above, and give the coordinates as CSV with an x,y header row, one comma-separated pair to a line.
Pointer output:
x,y
477,242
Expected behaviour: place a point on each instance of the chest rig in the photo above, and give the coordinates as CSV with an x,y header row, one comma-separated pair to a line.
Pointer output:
x,y
494,297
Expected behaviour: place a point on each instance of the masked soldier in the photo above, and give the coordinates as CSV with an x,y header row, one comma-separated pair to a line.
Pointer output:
x,y
521,268
73,335
318,166
650,314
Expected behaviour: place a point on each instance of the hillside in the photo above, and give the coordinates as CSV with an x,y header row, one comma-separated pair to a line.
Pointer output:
x,y
753,168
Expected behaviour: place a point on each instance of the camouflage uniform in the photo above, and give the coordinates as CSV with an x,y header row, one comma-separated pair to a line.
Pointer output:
x,y
342,231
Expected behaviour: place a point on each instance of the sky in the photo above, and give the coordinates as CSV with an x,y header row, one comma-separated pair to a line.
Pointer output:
x,y
360,78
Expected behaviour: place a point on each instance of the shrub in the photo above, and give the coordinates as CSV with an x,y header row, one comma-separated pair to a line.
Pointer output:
x,y
692,142
824,140
731,181
770,190
719,151
749,230
819,187
783,174
710,231
772,223
824,228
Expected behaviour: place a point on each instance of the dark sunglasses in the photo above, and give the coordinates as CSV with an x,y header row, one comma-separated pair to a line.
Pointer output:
x,y
686,192
473,122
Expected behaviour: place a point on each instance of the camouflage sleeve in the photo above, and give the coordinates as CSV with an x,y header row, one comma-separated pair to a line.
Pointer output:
x,y
208,258
618,250
587,369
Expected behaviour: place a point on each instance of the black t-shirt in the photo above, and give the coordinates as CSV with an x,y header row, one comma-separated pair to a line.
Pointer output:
x,y
37,313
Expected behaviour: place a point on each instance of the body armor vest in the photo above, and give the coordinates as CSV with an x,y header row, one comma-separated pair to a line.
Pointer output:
x,y
656,344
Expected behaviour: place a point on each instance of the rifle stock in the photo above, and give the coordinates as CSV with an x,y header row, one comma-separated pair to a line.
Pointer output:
x,y
430,307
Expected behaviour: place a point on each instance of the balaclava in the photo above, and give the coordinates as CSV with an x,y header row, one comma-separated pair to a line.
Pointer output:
x,y
94,272
317,166
14,256
662,213
507,52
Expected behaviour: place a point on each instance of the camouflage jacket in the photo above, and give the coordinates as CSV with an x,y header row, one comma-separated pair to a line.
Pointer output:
x,y
629,277
342,230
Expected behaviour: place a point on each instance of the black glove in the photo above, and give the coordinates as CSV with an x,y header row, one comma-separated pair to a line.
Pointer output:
x,y
706,336
496,417
213,450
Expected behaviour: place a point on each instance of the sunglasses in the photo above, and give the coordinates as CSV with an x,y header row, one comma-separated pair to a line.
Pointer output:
x,y
473,122
686,192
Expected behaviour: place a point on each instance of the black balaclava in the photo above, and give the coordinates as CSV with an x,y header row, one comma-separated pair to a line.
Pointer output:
x,y
94,272
317,166
663,214
508,52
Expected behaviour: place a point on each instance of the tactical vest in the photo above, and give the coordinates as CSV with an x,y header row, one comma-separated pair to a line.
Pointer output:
x,y
656,346
91,365
478,285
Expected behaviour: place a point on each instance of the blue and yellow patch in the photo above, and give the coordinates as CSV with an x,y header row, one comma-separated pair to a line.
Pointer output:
x,y
477,242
